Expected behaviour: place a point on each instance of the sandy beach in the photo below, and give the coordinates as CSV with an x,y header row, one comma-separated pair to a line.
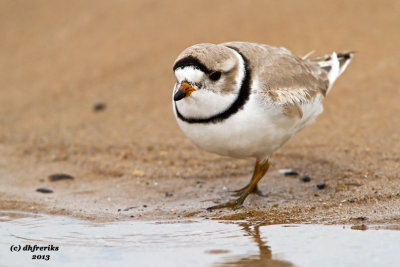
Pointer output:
x,y
86,86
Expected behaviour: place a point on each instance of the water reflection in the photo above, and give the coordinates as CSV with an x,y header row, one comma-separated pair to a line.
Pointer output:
x,y
264,256
195,243
161,243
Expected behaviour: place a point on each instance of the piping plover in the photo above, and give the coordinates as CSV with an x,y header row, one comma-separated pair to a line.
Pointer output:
x,y
242,99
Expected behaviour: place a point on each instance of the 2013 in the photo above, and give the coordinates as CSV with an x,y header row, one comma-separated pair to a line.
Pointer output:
x,y
41,257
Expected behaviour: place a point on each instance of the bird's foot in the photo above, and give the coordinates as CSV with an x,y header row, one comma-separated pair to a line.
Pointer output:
x,y
256,191
234,204
259,171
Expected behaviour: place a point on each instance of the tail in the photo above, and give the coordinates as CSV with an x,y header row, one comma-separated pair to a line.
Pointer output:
x,y
334,65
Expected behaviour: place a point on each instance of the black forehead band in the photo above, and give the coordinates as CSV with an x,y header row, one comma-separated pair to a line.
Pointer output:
x,y
192,61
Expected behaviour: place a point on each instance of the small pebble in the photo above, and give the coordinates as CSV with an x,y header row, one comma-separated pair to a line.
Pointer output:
x,y
352,201
288,172
129,208
305,179
44,190
60,176
119,210
172,210
321,186
144,206
168,194
99,106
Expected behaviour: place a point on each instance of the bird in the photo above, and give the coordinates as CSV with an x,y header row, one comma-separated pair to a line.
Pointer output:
x,y
245,100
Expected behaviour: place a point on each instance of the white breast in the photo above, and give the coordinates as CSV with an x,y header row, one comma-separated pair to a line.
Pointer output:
x,y
255,131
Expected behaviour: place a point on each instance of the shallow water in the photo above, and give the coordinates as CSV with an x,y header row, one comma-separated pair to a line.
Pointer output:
x,y
191,243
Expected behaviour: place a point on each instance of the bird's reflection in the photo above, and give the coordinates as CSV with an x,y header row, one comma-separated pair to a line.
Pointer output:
x,y
264,257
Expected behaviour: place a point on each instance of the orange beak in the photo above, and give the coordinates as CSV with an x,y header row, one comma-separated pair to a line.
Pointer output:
x,y
184,90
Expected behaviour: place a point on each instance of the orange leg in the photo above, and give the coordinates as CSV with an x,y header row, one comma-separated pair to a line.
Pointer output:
x,y
255,189
260,170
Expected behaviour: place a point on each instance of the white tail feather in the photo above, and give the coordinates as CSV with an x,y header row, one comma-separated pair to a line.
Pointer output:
x,y
335,65
335,70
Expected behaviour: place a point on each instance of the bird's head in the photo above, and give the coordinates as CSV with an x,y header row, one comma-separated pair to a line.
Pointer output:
x,y
206,69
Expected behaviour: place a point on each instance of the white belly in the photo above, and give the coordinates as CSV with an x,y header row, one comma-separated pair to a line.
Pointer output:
x,y
255,131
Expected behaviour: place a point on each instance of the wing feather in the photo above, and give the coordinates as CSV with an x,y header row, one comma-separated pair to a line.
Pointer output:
x,y
283,78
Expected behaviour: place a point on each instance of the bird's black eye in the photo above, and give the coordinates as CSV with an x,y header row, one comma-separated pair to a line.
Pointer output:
x,y
215,75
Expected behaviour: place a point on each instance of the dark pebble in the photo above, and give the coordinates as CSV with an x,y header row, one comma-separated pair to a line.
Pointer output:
x,y
168,194
352,201
144,206
60,176
129,208
132,216
321,186
119,209
290,173
305,179
316,195
44,190
361,218
99,107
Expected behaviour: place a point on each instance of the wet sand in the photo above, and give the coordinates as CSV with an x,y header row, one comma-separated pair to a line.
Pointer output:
x,y
58,60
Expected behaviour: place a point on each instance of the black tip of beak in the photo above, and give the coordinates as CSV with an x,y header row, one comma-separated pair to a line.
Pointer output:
x,y
179,95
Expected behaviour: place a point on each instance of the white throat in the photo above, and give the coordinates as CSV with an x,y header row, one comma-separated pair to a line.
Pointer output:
x,y
202,104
